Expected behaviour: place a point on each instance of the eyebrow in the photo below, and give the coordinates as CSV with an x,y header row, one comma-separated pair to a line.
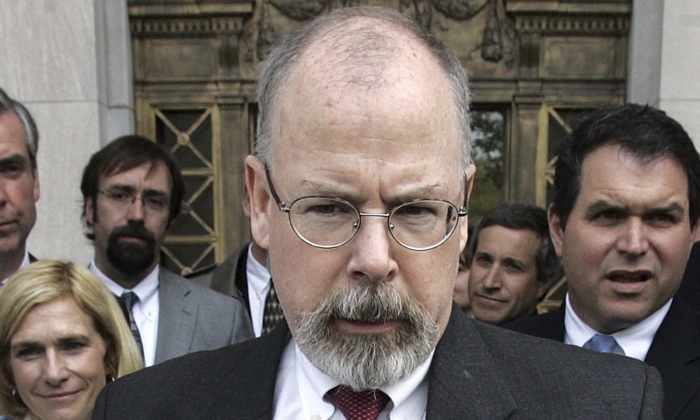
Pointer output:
x,y
61,340
130,188
606,205
433,191
15,158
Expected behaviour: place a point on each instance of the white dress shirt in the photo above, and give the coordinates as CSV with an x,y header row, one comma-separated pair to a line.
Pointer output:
x,y
301,387
258,286
145,311
635,340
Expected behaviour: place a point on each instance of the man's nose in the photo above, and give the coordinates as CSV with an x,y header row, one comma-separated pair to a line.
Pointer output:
x,y
372,257
633,238
136,209
492,280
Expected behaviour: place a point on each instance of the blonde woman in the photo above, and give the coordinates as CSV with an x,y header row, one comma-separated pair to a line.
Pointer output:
x,y
62,337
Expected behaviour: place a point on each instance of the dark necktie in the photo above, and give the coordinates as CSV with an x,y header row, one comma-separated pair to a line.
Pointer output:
x,y
604,344
129,299
356,405
273,311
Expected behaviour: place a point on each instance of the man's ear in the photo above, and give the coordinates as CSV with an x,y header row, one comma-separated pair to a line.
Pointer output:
x,y
260,207
556,230
89,211
469,171
695,232
37,188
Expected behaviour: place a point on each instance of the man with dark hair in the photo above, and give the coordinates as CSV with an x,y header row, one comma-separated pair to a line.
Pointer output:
x,y
624,217
513,263
132,190
359,193
19,184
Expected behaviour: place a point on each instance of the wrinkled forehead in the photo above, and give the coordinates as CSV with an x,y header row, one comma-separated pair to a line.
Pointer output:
x,y
389,98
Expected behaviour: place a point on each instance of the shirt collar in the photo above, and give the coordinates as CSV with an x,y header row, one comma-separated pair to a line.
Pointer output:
x,y
635,340
408,396
145,289
257,274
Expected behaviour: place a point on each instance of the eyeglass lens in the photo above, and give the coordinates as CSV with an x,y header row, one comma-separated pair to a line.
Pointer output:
x,y
327,222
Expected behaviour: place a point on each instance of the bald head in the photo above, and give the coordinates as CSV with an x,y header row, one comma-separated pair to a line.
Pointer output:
x,y
359,47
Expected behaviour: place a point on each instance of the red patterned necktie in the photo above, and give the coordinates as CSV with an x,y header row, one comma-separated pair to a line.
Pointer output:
x,y
355,405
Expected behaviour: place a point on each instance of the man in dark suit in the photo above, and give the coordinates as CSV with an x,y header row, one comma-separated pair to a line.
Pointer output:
x,y
245,275
689,290
132,190
624,217
359,192
19,184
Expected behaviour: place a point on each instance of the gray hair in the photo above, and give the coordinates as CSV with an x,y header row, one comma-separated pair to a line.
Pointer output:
x,y
31,134
375,46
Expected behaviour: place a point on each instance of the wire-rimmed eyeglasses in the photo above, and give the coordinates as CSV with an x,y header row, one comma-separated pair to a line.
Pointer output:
x,y
328,222
124,198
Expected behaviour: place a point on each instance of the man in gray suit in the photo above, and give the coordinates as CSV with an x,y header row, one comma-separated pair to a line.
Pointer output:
x,y
132,190
359,192
19,184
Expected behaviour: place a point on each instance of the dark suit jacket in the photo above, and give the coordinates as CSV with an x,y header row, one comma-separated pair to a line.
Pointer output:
x,y
478,372
228,278
675,352
689,291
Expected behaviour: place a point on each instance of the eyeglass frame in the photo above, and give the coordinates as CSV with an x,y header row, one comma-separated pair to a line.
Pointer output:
x,y
463,211
134,197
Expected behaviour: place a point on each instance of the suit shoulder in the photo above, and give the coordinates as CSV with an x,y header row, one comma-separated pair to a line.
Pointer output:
x,y
553,356
549,325
197,384
208,270
158,389
204,293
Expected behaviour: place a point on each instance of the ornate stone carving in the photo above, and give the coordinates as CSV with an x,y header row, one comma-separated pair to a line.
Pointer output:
x,y
572,24
146,27
460,9
300,9
492,45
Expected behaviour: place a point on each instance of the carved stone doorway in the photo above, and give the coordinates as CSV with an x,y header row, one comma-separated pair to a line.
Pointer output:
x,y
195,63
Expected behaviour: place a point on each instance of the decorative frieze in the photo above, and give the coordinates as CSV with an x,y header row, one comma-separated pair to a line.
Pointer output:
x,y
185,27
596,25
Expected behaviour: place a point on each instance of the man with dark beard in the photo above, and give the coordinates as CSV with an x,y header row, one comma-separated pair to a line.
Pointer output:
x,y
359,191
132,190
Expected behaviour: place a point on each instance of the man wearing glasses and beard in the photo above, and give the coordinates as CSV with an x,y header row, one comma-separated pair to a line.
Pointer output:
x,y
359,191
132,190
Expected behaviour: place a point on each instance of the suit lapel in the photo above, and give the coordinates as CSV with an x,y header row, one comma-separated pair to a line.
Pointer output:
x,y
226,276
675,352
464,382
248,391
176,318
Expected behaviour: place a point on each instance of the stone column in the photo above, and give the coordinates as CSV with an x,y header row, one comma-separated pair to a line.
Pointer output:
x,y
69,62
664,59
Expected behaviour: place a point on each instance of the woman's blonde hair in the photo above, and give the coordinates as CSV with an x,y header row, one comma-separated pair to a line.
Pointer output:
x,y
48,280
